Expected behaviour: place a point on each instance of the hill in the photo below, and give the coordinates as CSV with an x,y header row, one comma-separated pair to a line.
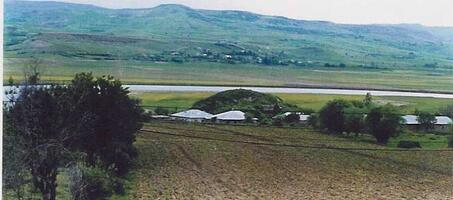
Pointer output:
x,y
193,46
171,31
244,100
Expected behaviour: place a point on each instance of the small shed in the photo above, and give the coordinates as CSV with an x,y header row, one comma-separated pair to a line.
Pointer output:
x,y
193,115
302,117
230,117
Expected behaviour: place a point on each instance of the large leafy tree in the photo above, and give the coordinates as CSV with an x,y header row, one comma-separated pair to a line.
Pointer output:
x,y
383,122
426,120
114,117
92,116
42,123
332,116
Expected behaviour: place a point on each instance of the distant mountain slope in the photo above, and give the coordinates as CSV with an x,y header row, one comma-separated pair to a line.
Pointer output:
x,y
178,33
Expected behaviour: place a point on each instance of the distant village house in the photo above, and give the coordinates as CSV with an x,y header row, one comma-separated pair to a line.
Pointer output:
x,y
193,115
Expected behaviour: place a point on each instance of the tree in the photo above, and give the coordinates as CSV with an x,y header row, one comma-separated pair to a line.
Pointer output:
x,y
33,71
114,119
368,101
292,118
161,111
313,121
383,122
14,170
354,121
447,110
41,120
450,142
10,81
52,123
332,116
426,120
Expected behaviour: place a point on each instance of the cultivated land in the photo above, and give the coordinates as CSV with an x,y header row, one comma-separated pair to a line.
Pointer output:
x,y
219,162
183,100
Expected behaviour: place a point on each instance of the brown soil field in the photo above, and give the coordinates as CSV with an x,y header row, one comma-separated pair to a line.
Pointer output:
x,y
195,161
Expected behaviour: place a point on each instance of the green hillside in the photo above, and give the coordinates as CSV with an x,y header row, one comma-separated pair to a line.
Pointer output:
x,y
74,37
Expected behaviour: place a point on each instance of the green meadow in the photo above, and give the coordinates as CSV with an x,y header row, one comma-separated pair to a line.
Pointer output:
x,y
203,73
313,101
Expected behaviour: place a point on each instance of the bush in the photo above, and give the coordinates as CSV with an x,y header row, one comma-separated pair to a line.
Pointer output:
x,y
450,142
383,123
292,118
89,183
277,122
409,144
313,121
426,120
161,111
332,116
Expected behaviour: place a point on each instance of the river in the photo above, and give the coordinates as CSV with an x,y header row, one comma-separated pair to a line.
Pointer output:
x,y
174,88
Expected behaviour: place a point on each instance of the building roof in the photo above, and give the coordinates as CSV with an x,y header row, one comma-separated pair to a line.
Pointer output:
x,y
410,120
231,116
302,117
443,120
413,120
193,114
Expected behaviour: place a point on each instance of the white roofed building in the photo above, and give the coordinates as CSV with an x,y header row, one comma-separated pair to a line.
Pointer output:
x,y
230,116
410,120
302,117
443,123
193,115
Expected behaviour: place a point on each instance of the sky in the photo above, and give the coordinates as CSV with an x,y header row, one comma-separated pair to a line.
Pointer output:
x,y
426,12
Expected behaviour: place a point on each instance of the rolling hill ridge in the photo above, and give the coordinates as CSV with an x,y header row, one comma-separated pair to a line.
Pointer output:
x,y
178,33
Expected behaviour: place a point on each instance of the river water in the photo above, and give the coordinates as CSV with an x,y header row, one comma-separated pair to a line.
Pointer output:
x,y
173,88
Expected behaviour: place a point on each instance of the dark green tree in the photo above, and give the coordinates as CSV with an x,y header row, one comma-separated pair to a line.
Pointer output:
x,y
332,116
368,101
292,118
426,120
42,123
354,121
383,122
114,119
161,111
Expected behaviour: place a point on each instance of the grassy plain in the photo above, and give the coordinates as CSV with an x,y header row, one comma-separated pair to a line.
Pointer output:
x,y
213,162
131,72
313,101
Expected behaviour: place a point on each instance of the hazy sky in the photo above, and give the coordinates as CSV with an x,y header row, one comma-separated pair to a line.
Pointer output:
x,y
427,12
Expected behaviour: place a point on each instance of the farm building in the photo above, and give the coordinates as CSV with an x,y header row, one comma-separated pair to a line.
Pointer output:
x,y
443,123
230,117
193,115
302,117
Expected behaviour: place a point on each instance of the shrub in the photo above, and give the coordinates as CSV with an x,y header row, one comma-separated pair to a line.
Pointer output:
x,y
89,183
313,121
409,144
426,120
450,142
292,118
161,111
383,122
332,116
